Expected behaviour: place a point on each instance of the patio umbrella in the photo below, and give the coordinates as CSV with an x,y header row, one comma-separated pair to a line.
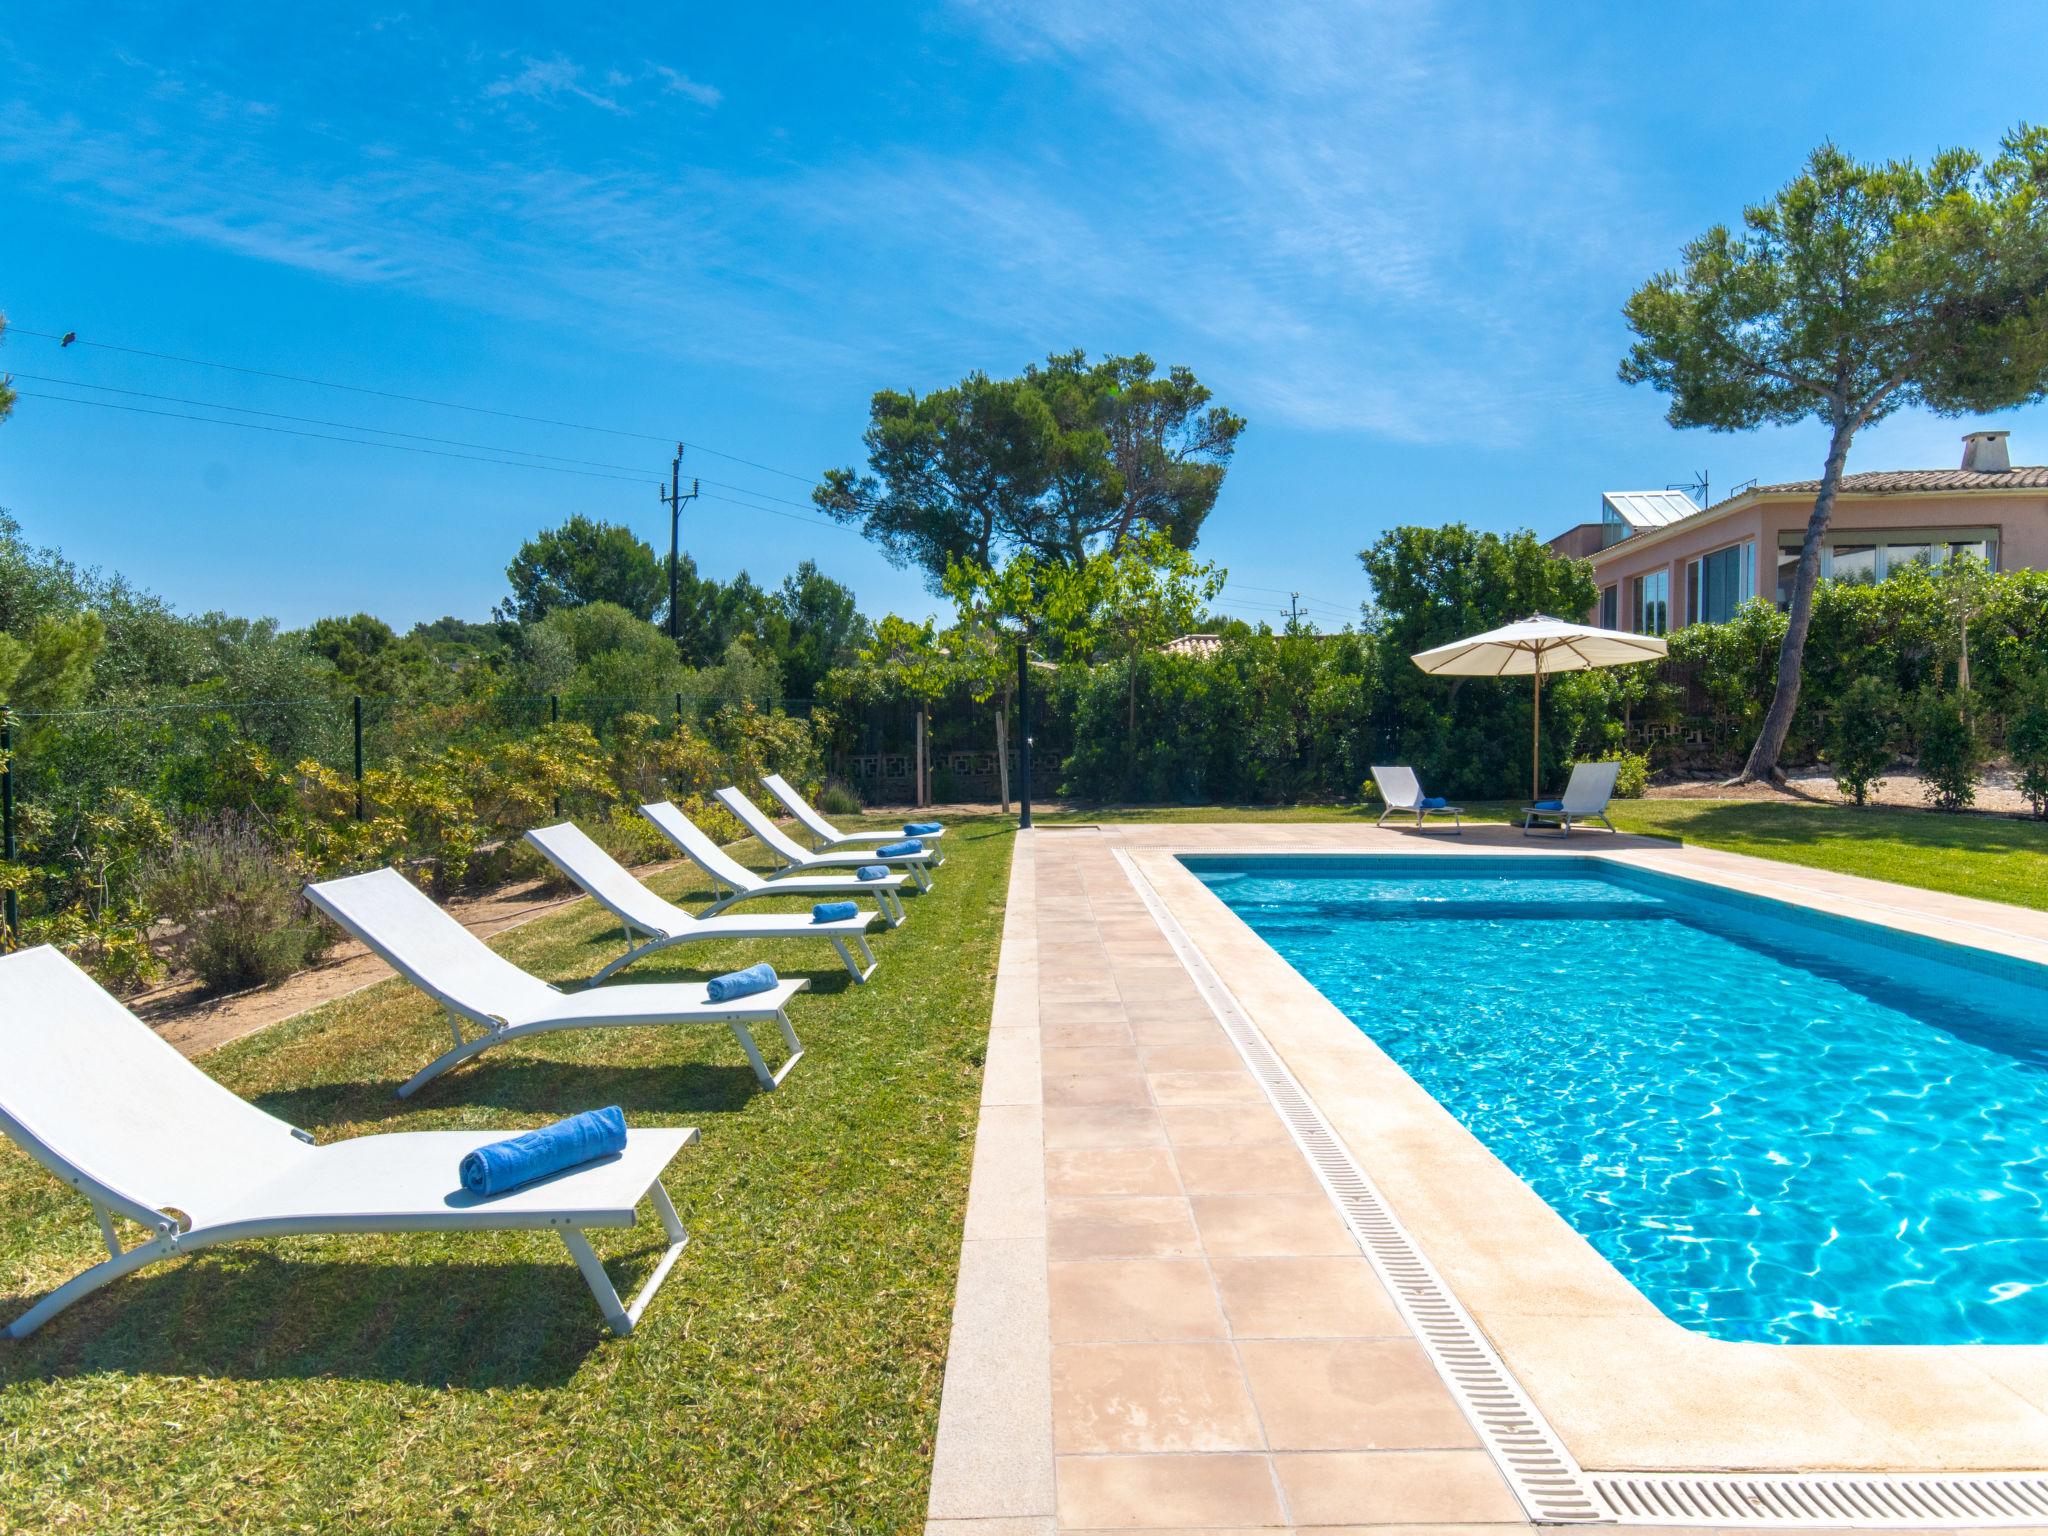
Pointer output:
x,y
1531,647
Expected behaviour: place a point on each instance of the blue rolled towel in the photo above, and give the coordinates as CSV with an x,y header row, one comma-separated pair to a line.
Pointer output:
x,y
920,828
897,850
872,872
1434,802
758,977
1548,805
834,911
522,1159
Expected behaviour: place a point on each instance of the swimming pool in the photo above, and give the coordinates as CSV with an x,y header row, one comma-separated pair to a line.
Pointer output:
x,y
1780,1125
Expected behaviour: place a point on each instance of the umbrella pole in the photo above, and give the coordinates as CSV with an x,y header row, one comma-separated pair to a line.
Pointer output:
x,y
1536,736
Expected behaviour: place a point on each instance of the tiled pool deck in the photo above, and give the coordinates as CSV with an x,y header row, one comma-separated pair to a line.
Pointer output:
x,y
1163,1323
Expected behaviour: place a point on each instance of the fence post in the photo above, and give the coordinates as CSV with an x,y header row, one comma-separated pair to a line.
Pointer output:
x,y
1023,734
358,710
555,718
13,902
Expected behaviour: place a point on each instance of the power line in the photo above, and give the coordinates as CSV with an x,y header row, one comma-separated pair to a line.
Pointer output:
x,y
315,421
388,394
360,442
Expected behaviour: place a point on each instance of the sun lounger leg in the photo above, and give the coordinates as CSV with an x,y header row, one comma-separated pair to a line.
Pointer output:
x,y
82,1285
769,1080
447,1059
922,876
892,906
620,1317
857,972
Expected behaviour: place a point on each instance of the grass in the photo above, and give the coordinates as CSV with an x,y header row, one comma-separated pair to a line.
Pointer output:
x,y
1995,858
786,1379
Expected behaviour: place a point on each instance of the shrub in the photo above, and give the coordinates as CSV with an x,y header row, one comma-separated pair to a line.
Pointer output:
x,y
2026,739
1863,737
1951,752
235,900
836,799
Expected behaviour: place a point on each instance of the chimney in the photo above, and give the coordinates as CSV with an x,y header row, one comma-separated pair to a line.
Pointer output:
x,y
1985,452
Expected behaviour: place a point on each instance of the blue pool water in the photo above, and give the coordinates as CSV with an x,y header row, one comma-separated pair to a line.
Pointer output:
x,y
1779,1125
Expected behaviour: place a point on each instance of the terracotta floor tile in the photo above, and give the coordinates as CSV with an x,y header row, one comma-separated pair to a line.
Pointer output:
x,y
1352,1395
1136,1228
1386,1487
1110,1171
1103,1125
1304,1298
1210,1056
1133,1299
1265,1168
1073,1060
1156,1398
1090,1034
1123,1493
1220,1125
1235,1086
1237,1226
1194,1027
1079,1013
1096,1088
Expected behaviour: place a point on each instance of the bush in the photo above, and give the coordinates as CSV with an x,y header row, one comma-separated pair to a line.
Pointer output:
x,y
1634,776
235,900
835,799
2026,739
1951,752
1863,738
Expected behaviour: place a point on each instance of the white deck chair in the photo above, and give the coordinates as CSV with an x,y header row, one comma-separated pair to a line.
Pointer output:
x,y
830,837
1402,792
95,1096
741,883
1585,798
613,887
472,981
799,860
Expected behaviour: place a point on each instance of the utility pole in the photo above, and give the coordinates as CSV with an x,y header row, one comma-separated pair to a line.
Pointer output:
x,y
1293,612
675,500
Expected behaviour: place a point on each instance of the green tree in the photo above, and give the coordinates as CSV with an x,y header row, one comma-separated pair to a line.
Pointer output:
x,y
1864,737
2026,741
817,627
996,609
1069,459
909,661
1857,290
371,658
583,561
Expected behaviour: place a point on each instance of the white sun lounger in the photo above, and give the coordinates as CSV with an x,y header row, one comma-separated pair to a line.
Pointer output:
x,y
830,837
799,860
742,884
95,1096
474,982
1585,798
613,887
1402,792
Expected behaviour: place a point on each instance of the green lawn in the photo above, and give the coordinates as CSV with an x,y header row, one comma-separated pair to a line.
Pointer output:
x,y
1992,857
786,1379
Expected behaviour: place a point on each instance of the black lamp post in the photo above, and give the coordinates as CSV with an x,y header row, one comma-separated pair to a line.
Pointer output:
x,y
1024,732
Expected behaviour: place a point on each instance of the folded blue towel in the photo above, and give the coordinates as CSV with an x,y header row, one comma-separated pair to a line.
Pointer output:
x,y
872,872
567,1143
897,850
1434,802
834,911
735,984
1548,805
920,828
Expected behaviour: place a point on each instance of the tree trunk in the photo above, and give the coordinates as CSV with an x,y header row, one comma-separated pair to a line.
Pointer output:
x,y
1003,753
1131,711
1770,741
921,800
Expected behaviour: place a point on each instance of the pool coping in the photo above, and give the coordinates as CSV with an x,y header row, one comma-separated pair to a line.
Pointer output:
x,y
1625,1388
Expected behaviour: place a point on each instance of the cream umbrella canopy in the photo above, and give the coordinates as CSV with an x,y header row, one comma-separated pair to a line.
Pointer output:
x,y
1530,648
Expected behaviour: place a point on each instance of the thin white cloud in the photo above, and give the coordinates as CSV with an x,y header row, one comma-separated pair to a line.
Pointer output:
x,y
680,84
549,79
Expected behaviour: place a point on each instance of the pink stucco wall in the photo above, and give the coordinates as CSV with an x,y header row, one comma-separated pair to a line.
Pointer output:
x,y
2019,520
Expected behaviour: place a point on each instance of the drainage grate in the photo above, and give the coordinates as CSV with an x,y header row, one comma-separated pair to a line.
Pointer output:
x,y
1539,1469
1552,1487
1824,1499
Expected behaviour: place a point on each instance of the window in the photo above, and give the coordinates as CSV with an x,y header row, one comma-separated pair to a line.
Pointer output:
x,y
1610,607
1650,603
1720,583
1868,555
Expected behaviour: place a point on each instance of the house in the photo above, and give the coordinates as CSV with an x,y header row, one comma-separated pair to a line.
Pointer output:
x,y
1203,646
1661,562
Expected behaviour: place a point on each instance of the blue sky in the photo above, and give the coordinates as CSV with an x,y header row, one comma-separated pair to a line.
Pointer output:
x,y
1396,237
